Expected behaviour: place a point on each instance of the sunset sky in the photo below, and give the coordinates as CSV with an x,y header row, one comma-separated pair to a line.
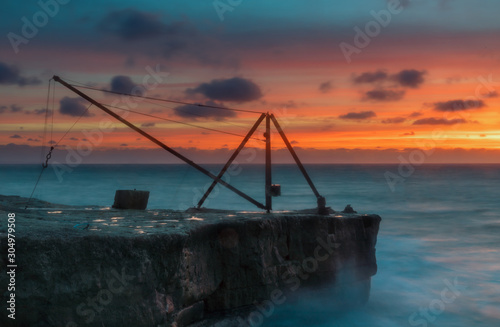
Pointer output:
x,y
366,81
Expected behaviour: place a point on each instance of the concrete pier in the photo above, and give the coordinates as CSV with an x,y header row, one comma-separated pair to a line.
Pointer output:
x,y
103,267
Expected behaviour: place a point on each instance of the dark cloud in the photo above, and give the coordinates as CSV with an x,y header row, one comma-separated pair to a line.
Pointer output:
x,y
15,108
176,46
384,95
394,120
234,89
194,112
131,24
415,114
73,107
459,105
33,140
174,40
325,87
12,108
358,115
371,77
492,94
73,139
439,121
11,75
42,111
124,144
123,84
148,125
411,78
16,136
408,134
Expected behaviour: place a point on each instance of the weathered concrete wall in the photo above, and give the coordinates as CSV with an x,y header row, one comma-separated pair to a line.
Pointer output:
x,y
180,278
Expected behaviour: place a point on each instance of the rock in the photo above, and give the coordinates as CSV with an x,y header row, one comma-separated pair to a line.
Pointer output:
x,y
349,209
190,314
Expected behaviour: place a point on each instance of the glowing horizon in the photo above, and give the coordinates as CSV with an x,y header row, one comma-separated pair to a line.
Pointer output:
x,y
407,85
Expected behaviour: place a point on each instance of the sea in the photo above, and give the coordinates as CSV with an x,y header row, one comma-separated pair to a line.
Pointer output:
x,y
438,246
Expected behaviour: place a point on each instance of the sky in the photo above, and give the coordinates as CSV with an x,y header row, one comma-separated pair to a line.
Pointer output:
x,y
362,81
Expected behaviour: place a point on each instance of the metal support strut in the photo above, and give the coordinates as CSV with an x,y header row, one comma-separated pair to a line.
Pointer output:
x,y
269,199
320,199
230,161
217,179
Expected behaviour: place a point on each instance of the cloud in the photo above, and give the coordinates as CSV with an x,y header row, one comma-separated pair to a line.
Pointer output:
x,y
384,95
394,120
415,114
458,105
325,87
439,121
33,140
358,115
148,125
131,24
11,75
42,111
411,78
194,112
15,108
408,134
123,84
73,107
73,139
16,136
12,108
369,77
235,89
492,94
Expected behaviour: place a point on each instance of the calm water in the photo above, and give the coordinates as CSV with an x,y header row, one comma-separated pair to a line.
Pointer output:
x,y
438,248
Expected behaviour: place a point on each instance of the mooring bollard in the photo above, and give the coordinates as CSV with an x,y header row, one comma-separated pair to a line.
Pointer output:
x,y
131,199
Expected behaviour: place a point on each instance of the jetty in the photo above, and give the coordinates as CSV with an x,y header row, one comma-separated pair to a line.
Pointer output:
x,y
99,266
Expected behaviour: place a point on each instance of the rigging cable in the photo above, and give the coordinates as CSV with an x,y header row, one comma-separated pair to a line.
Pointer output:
x,y
180,122
49,155
83,114
197,115
44,137
167,100
145,98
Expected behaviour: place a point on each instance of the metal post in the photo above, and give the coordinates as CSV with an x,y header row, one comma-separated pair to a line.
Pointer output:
x,y
269,199
321,200
159,143
230,161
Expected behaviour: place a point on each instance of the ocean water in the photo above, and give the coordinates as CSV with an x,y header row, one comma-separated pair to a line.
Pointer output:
x,y
438,247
